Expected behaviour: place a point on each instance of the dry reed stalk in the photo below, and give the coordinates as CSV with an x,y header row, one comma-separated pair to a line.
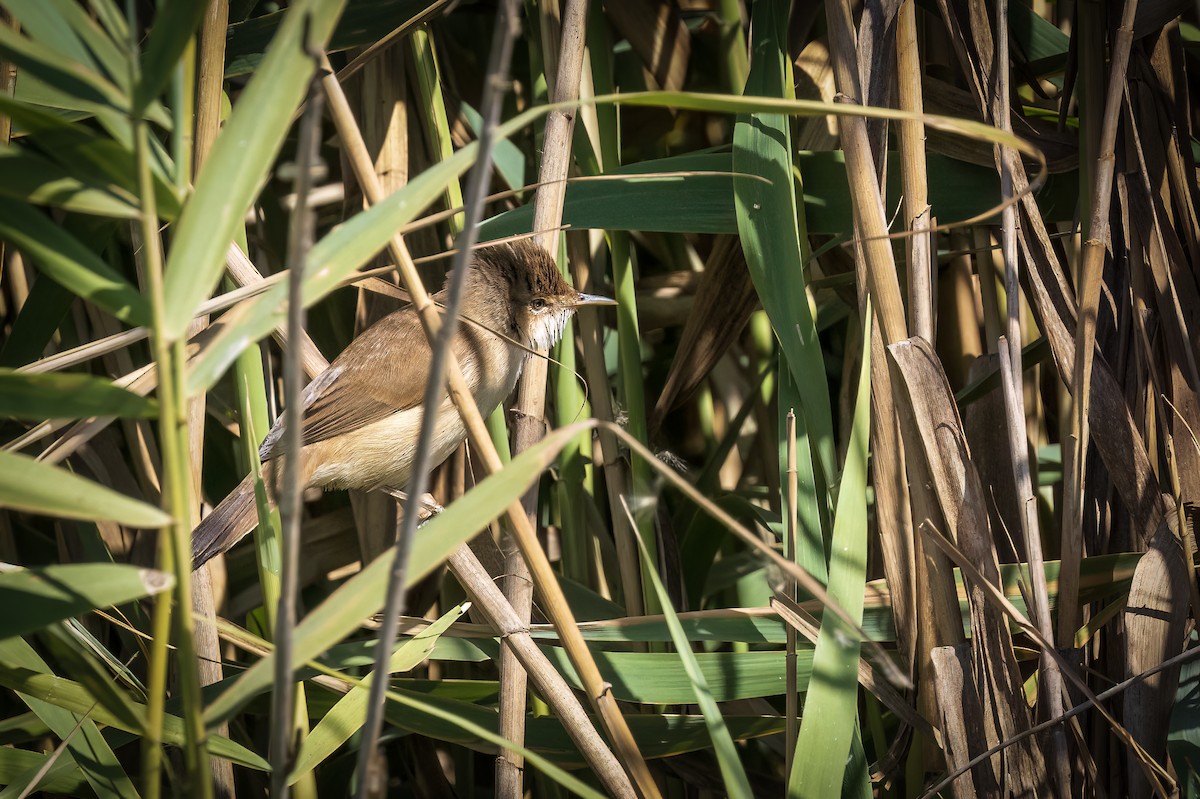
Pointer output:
x,y
210,74
383,101
799,620
792,697
1009,348
555,602
870,223
921,301
284,711
1154,772
1087,704
1154,622
503,618
1088,290
961,719
563,70
243,271
605,450
876,276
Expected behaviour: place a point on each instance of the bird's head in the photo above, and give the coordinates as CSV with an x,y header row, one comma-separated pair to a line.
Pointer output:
x,y
538,301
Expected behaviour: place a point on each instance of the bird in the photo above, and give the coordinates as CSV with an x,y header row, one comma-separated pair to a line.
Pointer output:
x,y
362,414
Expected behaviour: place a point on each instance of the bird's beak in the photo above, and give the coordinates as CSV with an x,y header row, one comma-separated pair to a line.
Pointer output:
x,y
592,299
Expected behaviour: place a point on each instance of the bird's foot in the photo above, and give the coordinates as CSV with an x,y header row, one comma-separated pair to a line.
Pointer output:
x,y
426,510
429,508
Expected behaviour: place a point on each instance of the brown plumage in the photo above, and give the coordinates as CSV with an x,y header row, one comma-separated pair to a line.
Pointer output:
x,y
362,414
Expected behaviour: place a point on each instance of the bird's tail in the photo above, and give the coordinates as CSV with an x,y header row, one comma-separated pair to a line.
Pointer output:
x,y
229,523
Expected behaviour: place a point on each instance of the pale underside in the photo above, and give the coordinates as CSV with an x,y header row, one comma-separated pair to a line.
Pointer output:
x,y
355,435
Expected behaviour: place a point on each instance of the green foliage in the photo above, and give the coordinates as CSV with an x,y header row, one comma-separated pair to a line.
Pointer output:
x,y
136,374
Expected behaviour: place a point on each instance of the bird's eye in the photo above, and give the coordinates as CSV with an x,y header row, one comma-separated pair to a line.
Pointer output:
x,y
537,304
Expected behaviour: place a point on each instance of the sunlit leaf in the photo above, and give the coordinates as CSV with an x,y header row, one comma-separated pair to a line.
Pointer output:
x,y
65,395
33,487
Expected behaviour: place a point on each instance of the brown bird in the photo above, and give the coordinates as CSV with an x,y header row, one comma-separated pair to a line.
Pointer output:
x,y
362,414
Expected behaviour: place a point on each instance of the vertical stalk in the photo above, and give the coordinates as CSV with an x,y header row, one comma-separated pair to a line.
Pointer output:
x,y
737,63
616,473
563,77
433,113
177,500
506,30
569,403
793,697
283,711
202,121
170,359
1009,348
914,175
1088,283
631,384
870,224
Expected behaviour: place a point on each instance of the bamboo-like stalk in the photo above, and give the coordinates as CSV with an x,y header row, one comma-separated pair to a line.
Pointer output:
x,y
177,500
283,710
1009,348
993,596
792,699
736,62
575,468
870,221
933,606
616,469
913,173
383,102
555,603
432,111
529,413
629,369
1088,293
635,477
1082,707
210,73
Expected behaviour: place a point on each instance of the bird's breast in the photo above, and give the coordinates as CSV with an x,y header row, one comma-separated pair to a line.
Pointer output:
x,y
382,453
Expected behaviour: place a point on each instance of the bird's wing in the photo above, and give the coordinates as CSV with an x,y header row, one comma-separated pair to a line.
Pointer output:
x,y
381,372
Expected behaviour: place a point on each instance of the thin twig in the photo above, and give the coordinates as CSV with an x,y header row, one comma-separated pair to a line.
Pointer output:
x,y
300,233
792,700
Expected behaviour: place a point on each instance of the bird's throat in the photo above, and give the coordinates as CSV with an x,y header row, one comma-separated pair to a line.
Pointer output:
x,y
545,331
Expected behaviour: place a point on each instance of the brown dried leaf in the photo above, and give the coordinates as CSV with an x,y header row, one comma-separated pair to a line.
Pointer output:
x,y
658,35
928,406
1154,625
724,301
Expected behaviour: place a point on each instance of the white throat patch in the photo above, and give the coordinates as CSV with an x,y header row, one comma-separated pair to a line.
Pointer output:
x,y
548,328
